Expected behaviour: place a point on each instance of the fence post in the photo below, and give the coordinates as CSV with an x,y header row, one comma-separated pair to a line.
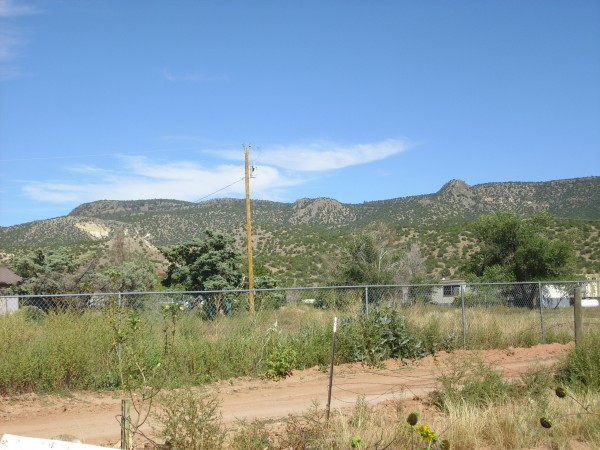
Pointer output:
x,y
464,321
367,301
541,297
577,312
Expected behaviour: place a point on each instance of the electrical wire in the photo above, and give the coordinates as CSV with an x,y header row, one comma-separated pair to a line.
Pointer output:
x,y
219,190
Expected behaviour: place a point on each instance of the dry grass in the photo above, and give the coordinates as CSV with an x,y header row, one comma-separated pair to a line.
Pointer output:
x,y
514,424
497,327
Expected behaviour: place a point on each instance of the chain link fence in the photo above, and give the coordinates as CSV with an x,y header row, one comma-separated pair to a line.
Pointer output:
x,y
538,312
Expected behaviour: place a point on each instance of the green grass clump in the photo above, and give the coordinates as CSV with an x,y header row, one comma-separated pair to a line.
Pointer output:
x,y
581,368
474,382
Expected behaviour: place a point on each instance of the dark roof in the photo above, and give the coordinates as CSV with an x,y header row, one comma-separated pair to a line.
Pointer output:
x,y
7,276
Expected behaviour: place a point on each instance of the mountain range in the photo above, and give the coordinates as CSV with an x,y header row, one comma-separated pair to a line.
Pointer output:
x,y
296,239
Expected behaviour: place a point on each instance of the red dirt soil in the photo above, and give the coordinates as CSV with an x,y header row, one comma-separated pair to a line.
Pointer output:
x,y
93,416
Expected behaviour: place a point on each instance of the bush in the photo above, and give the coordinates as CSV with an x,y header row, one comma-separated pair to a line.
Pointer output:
x,y
384,334
280,363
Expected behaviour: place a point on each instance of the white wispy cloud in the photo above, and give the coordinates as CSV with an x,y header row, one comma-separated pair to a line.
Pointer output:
x,y
9,8
54,192
87,169
140,178
11,38
325,155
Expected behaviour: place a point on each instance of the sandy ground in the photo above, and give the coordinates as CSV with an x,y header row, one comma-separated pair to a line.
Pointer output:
x,y
93,416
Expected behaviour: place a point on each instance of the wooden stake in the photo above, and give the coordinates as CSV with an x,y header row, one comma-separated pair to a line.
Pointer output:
x,y
331,366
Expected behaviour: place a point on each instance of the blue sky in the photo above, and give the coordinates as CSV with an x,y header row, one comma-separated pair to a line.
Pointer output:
x,y
353,100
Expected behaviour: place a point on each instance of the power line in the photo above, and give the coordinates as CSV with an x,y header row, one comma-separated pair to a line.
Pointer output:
x,y
219,190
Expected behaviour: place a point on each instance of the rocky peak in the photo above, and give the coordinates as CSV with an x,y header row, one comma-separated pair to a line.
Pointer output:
x,y
456,187
320,210
457,191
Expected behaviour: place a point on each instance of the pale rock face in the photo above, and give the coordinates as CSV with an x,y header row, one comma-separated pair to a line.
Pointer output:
x,y
93,229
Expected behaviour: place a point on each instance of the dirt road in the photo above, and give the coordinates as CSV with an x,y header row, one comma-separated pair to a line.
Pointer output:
x,y
92,417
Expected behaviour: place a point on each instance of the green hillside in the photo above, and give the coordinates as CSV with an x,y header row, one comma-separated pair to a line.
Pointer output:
x,y
301,241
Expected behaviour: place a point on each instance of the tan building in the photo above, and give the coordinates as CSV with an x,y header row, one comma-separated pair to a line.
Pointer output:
x,y
8,278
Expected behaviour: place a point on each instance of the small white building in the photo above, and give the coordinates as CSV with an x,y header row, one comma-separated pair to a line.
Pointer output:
x,y
8,304
445,293
555,296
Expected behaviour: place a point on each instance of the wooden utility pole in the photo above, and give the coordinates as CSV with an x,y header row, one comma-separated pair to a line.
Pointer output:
x,y
249,236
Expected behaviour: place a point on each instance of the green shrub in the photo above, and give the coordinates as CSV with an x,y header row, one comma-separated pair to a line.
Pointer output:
x,y
384,334
313,345
435,338
281,363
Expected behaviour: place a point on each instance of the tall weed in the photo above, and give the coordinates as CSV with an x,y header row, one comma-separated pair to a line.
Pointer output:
x,y
59,351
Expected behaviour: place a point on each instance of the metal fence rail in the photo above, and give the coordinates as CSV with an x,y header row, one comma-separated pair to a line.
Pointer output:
x,y
545,308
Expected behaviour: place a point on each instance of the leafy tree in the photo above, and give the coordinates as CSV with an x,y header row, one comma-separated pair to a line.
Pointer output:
x,y
365,261
263,276
515,249
130,276
46,271
264,279
204,265
211,264
58,271
374,258
412,265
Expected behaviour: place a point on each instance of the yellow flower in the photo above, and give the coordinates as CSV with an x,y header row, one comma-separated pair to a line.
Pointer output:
x,y
426,433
